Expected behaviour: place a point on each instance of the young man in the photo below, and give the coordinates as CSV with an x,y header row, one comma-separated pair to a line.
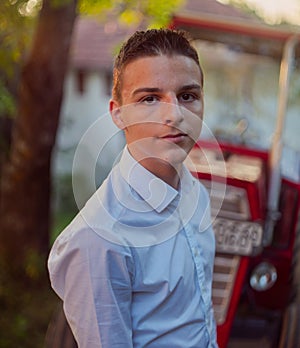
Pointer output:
x,y
134,268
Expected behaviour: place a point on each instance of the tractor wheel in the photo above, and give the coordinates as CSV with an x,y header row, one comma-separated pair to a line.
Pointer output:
x,y
289,337
59,334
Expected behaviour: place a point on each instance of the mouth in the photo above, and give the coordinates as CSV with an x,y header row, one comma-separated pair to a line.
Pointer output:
x,y
174,138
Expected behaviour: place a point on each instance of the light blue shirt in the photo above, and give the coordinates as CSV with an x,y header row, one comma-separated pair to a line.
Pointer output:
x,y
134,268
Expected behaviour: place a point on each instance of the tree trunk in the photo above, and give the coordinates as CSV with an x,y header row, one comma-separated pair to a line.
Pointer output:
x,y
25,187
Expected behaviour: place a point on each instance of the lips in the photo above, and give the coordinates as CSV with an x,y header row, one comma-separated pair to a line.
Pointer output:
x,y
174,138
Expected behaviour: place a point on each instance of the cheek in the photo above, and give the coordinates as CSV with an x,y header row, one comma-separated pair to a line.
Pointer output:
x,y
194,121
139,116
196,130
139,130
194,111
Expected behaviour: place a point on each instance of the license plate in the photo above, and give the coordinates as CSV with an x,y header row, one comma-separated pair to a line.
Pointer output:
x,y
237,237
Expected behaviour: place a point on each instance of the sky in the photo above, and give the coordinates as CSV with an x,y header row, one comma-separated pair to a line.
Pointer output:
x,y
275,10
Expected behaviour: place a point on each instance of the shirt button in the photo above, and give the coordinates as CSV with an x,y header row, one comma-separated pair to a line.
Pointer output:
x,y
196,252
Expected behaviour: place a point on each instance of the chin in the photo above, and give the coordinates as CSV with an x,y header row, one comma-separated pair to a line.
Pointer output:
x,y
175,157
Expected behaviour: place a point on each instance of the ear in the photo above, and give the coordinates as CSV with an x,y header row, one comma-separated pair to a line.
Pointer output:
x,y
115,112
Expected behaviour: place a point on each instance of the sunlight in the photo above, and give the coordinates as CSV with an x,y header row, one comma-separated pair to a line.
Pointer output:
x,y
274,12
30,8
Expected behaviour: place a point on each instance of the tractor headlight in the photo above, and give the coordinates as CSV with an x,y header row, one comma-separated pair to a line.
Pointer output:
x,y
263,276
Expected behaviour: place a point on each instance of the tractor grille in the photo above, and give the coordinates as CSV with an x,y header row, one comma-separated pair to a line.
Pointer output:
x,y
225,269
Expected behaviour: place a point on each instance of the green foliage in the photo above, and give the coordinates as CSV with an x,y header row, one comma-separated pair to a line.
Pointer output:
x,y
64,207
7,102
26,308
154,13
16,27
26,8
15,35
26,302
95,7
160,12
60,220
33,265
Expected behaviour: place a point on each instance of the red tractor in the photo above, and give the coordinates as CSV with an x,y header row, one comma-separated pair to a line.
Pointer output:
x,y
254,186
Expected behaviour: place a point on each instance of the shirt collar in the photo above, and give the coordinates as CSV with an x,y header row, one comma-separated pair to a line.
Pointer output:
x,y
157,193
128,177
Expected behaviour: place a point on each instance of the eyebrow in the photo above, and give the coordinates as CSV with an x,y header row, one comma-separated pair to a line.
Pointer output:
x,y
147,90
159,90
191,86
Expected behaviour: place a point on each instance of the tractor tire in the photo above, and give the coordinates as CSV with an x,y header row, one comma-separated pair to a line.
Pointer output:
x,y
59,334
290,337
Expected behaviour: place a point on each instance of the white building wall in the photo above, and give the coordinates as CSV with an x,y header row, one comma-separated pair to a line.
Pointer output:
x,y
85,126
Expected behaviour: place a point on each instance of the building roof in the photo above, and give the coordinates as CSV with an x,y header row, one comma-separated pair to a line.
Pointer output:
x,y
216,8
94,42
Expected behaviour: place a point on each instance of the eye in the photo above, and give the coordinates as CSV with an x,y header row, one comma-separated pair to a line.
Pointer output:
x,y
188,97
149,100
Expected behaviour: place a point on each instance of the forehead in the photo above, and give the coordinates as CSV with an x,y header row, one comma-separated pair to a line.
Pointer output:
x,y
162,70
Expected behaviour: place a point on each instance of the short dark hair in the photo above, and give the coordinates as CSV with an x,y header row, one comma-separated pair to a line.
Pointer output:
x,y
152,42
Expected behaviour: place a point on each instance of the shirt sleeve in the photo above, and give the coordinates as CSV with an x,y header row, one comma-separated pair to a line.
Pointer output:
x,y
93,278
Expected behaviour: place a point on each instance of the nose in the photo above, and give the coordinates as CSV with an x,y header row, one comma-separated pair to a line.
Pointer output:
x,y
173,113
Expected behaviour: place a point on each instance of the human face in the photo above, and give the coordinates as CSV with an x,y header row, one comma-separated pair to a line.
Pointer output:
x,y
162,107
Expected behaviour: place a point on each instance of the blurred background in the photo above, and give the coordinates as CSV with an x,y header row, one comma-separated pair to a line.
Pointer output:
x,y
56,60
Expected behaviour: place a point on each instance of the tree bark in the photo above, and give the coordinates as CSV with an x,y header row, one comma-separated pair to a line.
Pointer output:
x,y
25,186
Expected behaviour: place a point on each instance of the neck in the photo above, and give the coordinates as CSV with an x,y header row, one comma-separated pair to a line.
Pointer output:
x,y
163,170
167,172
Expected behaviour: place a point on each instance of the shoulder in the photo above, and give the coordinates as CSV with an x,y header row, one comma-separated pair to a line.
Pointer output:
x,y
86,235
79,249
85,239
